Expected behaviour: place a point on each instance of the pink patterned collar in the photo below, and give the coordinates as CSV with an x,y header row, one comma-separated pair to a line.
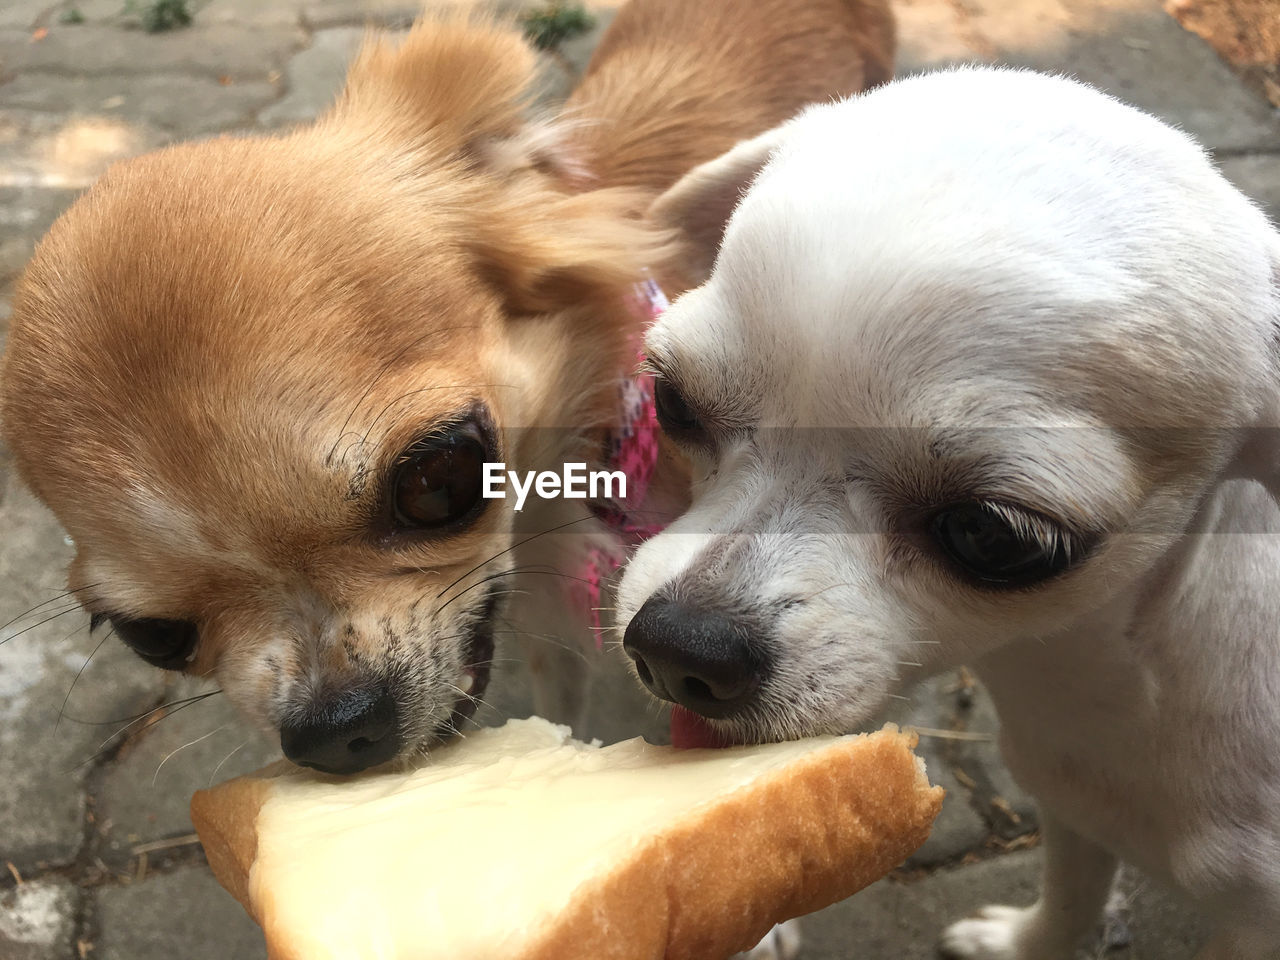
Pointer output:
x,y
632,447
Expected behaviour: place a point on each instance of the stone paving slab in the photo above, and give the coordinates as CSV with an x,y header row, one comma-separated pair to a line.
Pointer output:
x,y
1257,176
941,706
253,13
22,13
66,148
26,212
1163,928
146,793
344,13
314,77
1133,53
1007,807
213,50
1130,48
958,828
896,920
37,920
892,920
49,747
176,107
181,914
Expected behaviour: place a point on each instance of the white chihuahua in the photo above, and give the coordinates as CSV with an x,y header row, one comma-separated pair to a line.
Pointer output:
x,y
987,370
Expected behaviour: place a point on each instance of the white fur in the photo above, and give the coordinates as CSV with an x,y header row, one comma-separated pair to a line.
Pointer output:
x,y
997,285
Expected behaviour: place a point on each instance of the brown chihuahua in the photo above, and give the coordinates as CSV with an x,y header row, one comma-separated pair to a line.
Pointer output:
x,y
258,379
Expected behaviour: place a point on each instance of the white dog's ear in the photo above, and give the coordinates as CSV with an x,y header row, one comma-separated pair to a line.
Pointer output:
x,y
701,202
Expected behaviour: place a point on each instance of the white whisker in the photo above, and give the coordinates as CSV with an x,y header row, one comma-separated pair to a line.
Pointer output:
x,y
190,743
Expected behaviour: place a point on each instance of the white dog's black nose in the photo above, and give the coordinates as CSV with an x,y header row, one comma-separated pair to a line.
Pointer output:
x,y
695,657
344,733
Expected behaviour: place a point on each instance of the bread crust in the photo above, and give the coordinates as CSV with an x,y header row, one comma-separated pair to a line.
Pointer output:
x,y
226,819
711,884
840,819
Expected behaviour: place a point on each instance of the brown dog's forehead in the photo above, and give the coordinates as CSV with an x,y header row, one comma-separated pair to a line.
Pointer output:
x,y
213,341
232,248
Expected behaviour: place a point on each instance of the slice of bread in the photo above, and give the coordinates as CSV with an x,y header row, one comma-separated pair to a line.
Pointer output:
x,y
519,843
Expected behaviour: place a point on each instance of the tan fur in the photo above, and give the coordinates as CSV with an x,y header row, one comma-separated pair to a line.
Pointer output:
x,y
219,352
731,70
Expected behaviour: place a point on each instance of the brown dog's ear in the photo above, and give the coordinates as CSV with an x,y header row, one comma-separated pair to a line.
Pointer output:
x,y
452,81
452,95
701,202
546,250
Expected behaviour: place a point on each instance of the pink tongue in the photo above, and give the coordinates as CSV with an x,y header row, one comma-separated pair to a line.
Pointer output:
x,y
690,731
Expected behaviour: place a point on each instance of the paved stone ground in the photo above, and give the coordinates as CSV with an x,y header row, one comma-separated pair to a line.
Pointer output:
x,y
93,825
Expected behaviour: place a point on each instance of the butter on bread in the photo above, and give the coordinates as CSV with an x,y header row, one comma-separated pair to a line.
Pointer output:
x,y
519,843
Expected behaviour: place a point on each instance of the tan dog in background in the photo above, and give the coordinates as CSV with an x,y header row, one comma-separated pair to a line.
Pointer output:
x,y
256,378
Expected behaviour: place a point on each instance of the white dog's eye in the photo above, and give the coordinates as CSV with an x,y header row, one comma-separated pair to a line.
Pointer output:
x,y
1001,545
674,412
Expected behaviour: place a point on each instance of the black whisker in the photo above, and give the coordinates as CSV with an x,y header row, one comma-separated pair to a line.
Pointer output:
x,y
549,638
71,609
130,721
105,750
45,603
514,571
518,543
63,709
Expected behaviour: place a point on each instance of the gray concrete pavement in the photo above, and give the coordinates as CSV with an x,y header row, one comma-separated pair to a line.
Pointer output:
x,y
95,852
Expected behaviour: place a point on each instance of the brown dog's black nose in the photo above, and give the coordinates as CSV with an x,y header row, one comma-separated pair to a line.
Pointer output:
x,y
697,658
344,733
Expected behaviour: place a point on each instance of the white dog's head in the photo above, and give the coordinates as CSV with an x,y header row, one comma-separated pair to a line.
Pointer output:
x,y
974,349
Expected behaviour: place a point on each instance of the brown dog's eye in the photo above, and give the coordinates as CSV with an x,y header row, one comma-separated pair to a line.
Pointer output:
x,y
167,644
440,479
674,413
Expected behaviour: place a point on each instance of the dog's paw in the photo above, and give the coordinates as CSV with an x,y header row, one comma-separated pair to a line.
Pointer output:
x,y
780,943
1115,933
991,934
